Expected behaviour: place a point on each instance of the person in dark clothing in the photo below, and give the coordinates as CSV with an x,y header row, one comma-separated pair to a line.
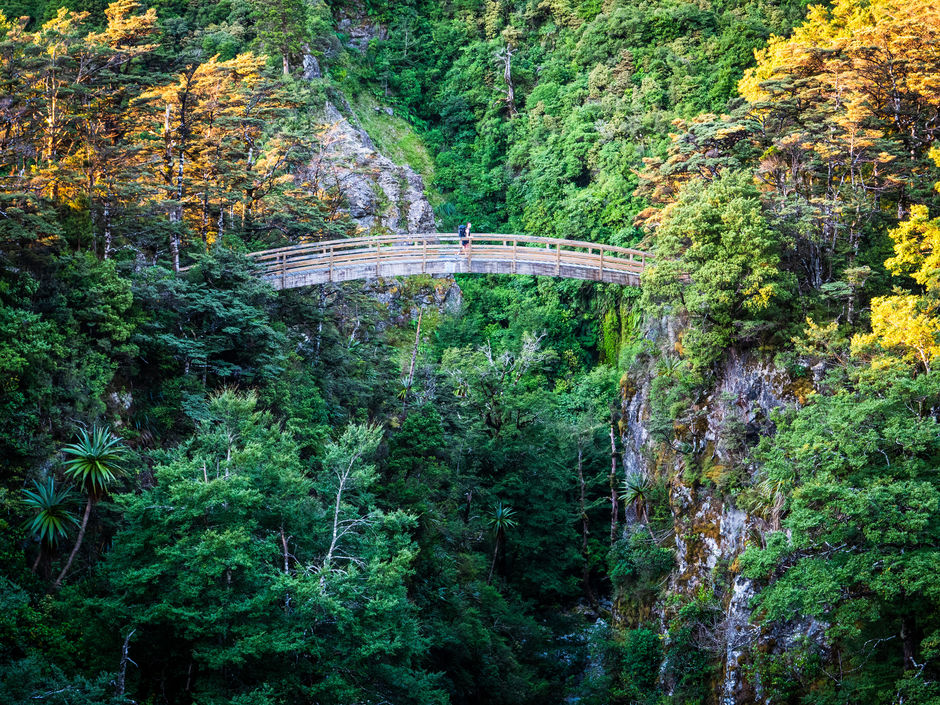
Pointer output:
x,y
464,233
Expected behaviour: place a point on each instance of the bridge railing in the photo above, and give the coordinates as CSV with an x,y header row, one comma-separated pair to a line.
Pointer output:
x,y
547,254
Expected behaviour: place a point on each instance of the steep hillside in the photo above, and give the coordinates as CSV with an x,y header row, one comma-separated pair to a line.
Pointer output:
x,y
781,192
721,486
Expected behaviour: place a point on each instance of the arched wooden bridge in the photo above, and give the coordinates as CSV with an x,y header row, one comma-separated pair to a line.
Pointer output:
x,y
440,254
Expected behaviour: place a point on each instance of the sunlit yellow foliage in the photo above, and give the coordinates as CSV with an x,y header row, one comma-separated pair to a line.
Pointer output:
x,y
87,126
902,324
850,100
65,109
821,340
563,11
126,31
209,155
917,244
917,248
857,48
867,70
493,18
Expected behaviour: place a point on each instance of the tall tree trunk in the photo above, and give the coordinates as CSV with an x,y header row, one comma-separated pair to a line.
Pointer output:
x,y
344,478
321,313
507,76
205,219
586,568
466,507
93,210
175,249
122,669
908,643
78,543
489,578
286,566
176,215
106,218
614,504
414,356
285,48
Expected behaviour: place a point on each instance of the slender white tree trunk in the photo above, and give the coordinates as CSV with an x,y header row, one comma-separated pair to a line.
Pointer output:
x,y
78,544
614,505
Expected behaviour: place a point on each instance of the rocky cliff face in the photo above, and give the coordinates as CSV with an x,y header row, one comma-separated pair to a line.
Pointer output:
x,y
709,531
382,196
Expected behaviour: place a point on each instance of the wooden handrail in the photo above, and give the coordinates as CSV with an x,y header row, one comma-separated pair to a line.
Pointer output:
x,y
431,237
443,254
418,254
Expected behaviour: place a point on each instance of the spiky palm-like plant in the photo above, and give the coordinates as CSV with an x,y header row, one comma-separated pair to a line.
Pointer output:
x,y
94,460
405,388
669,366
635,490
766,499
53,517
93,463
501,520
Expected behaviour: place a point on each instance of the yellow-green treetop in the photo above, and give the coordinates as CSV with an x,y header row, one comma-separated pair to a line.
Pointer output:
x,y
854,45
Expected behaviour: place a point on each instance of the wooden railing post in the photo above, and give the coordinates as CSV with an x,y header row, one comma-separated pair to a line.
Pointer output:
x,y
514,256
558,259
424,255
602,264
378,256
331,264
283,268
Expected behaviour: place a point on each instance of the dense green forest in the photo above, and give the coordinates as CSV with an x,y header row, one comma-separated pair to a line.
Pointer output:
x,y
215,492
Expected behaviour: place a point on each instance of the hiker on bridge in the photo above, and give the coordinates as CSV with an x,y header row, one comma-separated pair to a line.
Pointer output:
x,y
463,232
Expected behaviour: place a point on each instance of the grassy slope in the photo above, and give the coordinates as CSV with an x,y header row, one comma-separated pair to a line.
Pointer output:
x,y
397,140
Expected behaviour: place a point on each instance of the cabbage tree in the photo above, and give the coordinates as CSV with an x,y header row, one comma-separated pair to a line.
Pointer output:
x,y
93,464
501,520
53,517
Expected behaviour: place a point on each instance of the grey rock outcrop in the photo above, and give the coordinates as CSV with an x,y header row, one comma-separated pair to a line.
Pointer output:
x,y
403,299
381,195
361,31
311,66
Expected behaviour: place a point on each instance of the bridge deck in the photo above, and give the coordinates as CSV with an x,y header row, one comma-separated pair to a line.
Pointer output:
x,y
440,254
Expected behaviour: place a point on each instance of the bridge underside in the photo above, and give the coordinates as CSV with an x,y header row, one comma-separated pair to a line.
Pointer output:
x,y
293,278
